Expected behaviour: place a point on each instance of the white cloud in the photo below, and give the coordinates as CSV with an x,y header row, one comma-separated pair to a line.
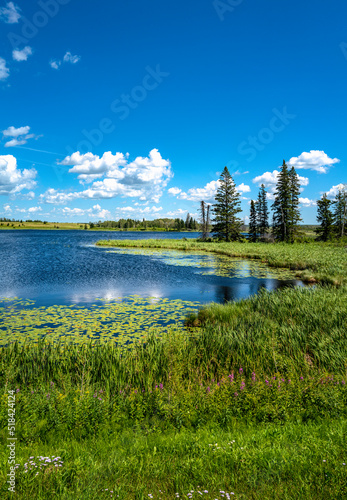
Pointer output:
x,y
243,188
34,209
206,193
15,132
93,213
174,191
12,179
55,64
7,208
4,71
335,189
269,179
19,136
10,14
314,160
22,55
15,142
71,59
53,196
177,213
306,202
104,214
68,58
90,166
143,178
143,211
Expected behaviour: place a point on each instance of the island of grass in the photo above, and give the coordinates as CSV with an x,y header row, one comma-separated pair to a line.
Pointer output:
x,y
248,400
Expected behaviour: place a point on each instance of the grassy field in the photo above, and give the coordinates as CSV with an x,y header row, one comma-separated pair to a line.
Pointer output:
x,y
248,402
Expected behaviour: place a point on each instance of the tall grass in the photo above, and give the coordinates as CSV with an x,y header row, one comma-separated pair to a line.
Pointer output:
x,y
321,262
249,399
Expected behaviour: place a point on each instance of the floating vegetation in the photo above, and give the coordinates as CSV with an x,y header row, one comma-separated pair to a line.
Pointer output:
x,y
212,264
124,321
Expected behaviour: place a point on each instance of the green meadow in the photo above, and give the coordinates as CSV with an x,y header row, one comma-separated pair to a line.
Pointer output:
x,y
247,400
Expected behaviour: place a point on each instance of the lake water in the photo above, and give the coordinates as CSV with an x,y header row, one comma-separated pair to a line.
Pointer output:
x,y
65,267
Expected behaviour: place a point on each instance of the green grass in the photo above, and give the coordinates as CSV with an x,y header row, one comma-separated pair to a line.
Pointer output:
x,y
267,374
264,462
312,262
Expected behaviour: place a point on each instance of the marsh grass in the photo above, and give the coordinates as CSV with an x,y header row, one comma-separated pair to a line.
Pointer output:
x,y
312,262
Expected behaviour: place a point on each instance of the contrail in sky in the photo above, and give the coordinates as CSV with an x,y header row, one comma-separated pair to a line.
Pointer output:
x,y
40,151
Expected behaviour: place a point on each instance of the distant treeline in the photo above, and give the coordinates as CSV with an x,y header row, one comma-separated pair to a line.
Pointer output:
x,y
190,224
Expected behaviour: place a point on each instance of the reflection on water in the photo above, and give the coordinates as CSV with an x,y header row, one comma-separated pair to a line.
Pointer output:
x,y
67,268
73,291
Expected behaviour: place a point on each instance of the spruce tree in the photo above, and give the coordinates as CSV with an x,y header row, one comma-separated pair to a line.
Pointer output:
x,y
262,212
281,205
340,212
253,223
294,211
227,225
286,216
325,217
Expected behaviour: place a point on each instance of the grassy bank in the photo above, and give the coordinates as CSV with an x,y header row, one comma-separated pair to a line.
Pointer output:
x,y
248,402
320,262
268,373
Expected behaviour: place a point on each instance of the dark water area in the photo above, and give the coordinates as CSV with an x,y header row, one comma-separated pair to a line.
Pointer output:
x,y
65,267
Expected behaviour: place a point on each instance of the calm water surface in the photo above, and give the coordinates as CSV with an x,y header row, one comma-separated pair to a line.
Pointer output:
x,y
65,267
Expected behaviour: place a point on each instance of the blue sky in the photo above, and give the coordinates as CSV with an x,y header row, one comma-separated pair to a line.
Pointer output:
x,y
114,109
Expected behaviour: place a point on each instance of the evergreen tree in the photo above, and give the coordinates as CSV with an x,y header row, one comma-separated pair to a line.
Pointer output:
x,y
227,225
262,212
253,223
325,218
286,214
340,212
294,211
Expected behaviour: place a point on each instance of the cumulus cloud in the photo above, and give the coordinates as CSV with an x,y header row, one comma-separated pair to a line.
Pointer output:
x,y
206,193
12,179
19,136
10,14
314,160
174,191
53,196
4,71
243,188
269,179
34,209
93,213
143,178
15,132
70,58
306,202
7,208
335,189
142,211
22,55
